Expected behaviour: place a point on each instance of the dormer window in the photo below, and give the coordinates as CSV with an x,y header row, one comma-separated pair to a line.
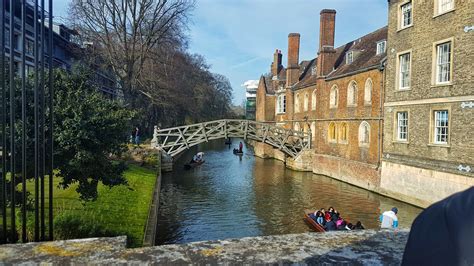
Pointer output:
x,y
349,57
313,71
381,47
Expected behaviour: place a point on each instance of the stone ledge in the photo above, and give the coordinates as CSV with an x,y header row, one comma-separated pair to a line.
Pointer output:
x,y
355,247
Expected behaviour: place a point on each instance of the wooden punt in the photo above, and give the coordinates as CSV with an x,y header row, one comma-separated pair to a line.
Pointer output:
x,y
313,224
193,164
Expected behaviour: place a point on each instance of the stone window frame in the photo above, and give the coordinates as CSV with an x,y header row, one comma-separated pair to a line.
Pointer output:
x,y
281,104
395,126
361,142
313,130
436,9
306,102
434,68
433,109
379,43
352,86
333,104
370,90
297,103
332,132
296,126
397,76
400,19
342,133
313,100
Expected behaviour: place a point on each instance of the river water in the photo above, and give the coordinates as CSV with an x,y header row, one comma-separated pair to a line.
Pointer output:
x,y
232,196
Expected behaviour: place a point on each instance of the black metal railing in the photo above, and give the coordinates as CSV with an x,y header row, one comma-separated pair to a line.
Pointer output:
x,y
27,121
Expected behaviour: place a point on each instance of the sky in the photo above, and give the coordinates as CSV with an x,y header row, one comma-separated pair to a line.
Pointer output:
x,y
238,37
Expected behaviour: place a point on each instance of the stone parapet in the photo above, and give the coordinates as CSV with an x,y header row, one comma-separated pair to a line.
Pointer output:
x,y
348,247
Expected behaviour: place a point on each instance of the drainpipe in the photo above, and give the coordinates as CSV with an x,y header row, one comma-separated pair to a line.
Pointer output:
x,y
381,110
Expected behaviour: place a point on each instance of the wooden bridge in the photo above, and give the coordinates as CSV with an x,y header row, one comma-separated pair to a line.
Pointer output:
x,y
177,139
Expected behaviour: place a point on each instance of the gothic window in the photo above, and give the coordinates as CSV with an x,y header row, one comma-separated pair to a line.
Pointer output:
x,y
333,97
297,103
313,129
352,94
343,130
364,134
313,101
368,91
306,100
332,132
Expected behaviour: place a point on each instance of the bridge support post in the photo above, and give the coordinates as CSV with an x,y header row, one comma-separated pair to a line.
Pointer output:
x,y
166,162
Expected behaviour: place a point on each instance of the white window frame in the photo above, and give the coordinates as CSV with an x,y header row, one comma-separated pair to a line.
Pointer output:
x,y
369,84
333,102
405,71
441,130
381,47
443,6
349,57
441,62
352,91
402,18
313,100
402,126
281,104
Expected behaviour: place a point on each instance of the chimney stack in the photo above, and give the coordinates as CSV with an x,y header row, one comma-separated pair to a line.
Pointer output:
x,y
326,53
292,72
276,65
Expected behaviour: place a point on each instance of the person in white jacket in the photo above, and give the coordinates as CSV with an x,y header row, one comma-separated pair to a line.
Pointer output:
x,y
389,219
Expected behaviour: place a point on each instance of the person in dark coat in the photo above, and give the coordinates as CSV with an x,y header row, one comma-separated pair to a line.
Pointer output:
x,y
443,234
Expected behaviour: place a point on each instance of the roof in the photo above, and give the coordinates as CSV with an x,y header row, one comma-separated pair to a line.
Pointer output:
x,y
366,57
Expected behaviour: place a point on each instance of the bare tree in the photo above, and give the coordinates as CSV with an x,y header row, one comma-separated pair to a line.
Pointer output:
x,y
126,32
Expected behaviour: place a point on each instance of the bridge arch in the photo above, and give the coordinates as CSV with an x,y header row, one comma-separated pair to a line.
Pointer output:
x,y
177,139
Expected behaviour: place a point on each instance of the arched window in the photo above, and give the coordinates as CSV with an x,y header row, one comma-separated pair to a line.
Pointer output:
x,y
313,101
332,132
368,91
352,94
297,103
306,100
333,97
313,129
305,128
281,104
364,134
343,132
296,126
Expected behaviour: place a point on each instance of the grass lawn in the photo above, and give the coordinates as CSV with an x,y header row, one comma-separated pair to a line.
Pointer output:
x,y
120,208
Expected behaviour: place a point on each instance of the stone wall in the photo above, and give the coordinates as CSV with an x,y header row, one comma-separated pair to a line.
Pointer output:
x,y
348,247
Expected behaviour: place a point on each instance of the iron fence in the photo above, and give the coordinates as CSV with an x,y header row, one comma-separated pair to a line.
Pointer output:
x,y
27,121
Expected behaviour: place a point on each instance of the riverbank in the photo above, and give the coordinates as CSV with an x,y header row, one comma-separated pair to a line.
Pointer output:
x,y
348,247
120,210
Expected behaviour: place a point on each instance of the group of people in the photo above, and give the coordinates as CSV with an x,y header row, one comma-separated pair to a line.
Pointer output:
x,y
331,220
198,157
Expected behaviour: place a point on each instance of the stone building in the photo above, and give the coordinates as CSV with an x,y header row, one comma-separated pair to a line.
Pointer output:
x,y
428,150
335,96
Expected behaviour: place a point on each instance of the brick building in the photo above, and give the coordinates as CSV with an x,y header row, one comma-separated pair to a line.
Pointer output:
x,y
337,96
429,100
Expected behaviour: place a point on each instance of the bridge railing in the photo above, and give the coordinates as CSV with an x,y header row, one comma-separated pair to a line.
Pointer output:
x,y
177,139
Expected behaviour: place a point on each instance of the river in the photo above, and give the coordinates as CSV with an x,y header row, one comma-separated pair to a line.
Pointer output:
x,y
232,196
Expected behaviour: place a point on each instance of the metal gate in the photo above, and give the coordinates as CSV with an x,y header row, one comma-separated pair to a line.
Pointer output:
x,y
26,40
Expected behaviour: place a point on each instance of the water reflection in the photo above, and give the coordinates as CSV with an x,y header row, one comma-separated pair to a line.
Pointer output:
x,y
231,196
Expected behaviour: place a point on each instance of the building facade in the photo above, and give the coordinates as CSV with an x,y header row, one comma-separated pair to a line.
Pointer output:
x,y
429,100
336,96
250,98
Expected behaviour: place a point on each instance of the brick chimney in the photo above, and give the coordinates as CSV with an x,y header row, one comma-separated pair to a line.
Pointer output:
x,y
276,65
326,53
292,72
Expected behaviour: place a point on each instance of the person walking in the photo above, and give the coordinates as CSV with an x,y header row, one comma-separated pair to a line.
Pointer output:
x,y
132,136
389,219
137,136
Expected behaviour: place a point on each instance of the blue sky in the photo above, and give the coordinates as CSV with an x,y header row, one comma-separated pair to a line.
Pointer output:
x,y
238,37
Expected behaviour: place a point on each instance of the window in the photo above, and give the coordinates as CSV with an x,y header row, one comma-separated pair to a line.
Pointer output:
x,y
381,46
7,37
406,15
349,57
313,71
281,104
444,6
404,71
313,100
30,47
333,97
441,127
313,129
296,126
352,94
297,103
364,134
402,126
332,132
443,63
343,133
306,102
368,91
